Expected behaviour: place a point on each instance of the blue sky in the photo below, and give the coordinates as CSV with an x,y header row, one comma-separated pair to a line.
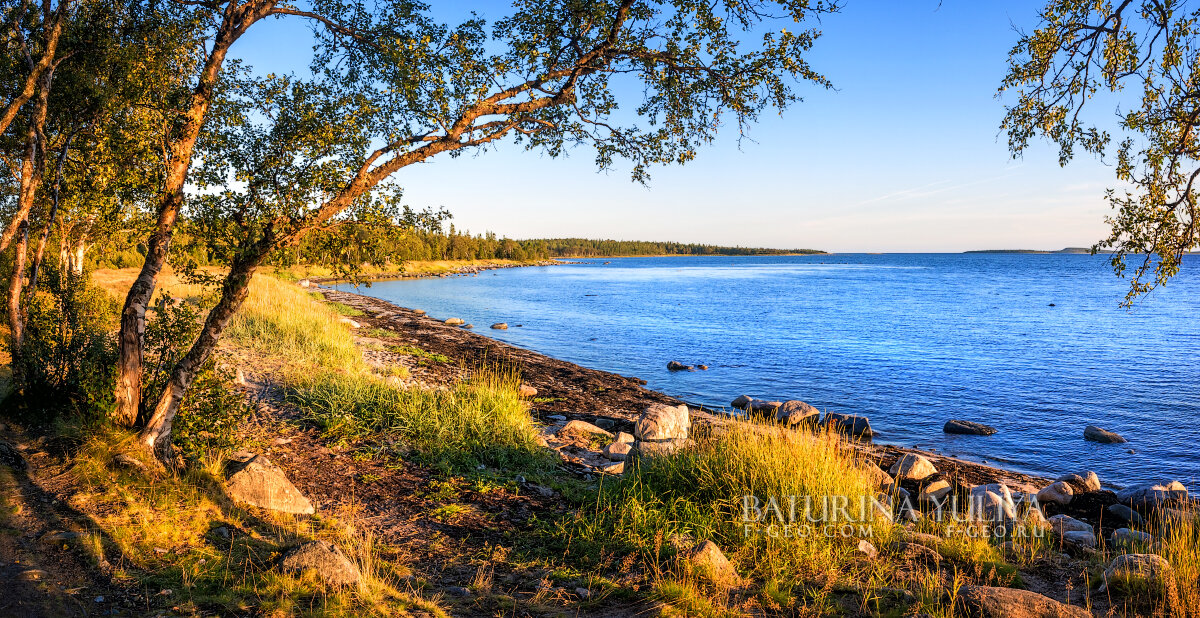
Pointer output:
x,y
904,155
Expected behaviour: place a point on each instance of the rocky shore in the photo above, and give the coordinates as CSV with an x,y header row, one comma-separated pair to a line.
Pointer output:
x,y
456,271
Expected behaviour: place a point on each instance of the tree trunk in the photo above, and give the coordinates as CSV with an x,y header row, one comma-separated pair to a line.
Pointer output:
x,y
157,433
133,314
16,321
38,71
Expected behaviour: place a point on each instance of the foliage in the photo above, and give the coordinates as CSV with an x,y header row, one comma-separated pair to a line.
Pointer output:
x,y
210,417
1142,56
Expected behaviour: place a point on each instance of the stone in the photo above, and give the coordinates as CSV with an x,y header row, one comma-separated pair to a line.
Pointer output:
x,y
458,591
605,423
1058,492
467,326
968,428
915,552
793,413
1080,538
935,491
662,422
583,593
617,451
304,283
702,367
527,391
418,311
455,321
991,503
995,602
625,438
1103,436
1152,494
499,326
614,468
325,559
33,575
1082,481
1125,513
1149,568
678,366
254,480
1126,538
657,448
581,429
11,456
712,564
912,467
765,408
1063,524
867,549
60,536
851,424
877,475
742,402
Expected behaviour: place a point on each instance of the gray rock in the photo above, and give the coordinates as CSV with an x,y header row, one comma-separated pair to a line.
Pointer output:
x,y
1149,568
912,467
1103,436
661,422
935,491
325,559
657,448
626,438
1125,538
994,602
1082,481
793,413
712,564
1152,494
851,424
1080,538
605,423
968,428
867,549
1058,492
617,451
1125,513
499,326
877,475
458,591
992,503
742,402
254,480
581,429
1063,524
617,468
765,408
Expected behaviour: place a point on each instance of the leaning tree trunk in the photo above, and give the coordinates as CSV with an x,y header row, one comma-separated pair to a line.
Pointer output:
x,y
157,433
16,321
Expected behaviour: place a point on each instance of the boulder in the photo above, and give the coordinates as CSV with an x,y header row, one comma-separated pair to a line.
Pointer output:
x,y
1125,538
1103,436
915,552
582,429
991,503
742,402
499,326
455,321
1058,492
527,391
678,366
614,468
254,480
662,422
1149,568
712,564
793,413
995,602
324,559
912,467
624,437
935,491
605,423
617,451
1062,524
1125,513
656,448
1152,494
1081,481
1080,538
851,424
877,475
968,428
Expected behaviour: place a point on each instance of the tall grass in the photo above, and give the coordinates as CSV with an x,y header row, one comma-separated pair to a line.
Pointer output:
x,y
481,420
281,319
1179,543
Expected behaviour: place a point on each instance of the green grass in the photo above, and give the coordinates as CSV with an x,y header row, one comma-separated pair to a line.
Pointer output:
x,y
343,309
479,421
412,350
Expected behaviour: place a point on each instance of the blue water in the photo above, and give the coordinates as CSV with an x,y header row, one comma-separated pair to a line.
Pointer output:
x,y
908,340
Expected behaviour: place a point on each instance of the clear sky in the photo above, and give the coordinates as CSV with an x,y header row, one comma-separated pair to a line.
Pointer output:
x,y
905,154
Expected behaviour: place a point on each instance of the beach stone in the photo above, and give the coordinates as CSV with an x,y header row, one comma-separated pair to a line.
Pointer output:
x,y
935,491
991,503
1152,494
1150,568
527,391
499,326
867,549
1082,481
912,467
1058,492
712,564
742,402
625,438
662,422
617,451
794,412
1131,539
617,468
657,448
1103,436
1123,512
254,480
418,311
455,321
968,428
851,424
877,475
1080,538
995,602
325,559
678,366
1062,524
581,429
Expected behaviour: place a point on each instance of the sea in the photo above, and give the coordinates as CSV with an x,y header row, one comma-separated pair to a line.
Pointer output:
x,y
1036,345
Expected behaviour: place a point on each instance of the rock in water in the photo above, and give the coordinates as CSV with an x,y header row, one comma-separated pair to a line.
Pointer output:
x,y
742,402
851,424
254,480
1103,436
660,422
793,413
968,428
1082,482
678,366
993,602
325,559
913,467
455,321
499,326
1059,492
